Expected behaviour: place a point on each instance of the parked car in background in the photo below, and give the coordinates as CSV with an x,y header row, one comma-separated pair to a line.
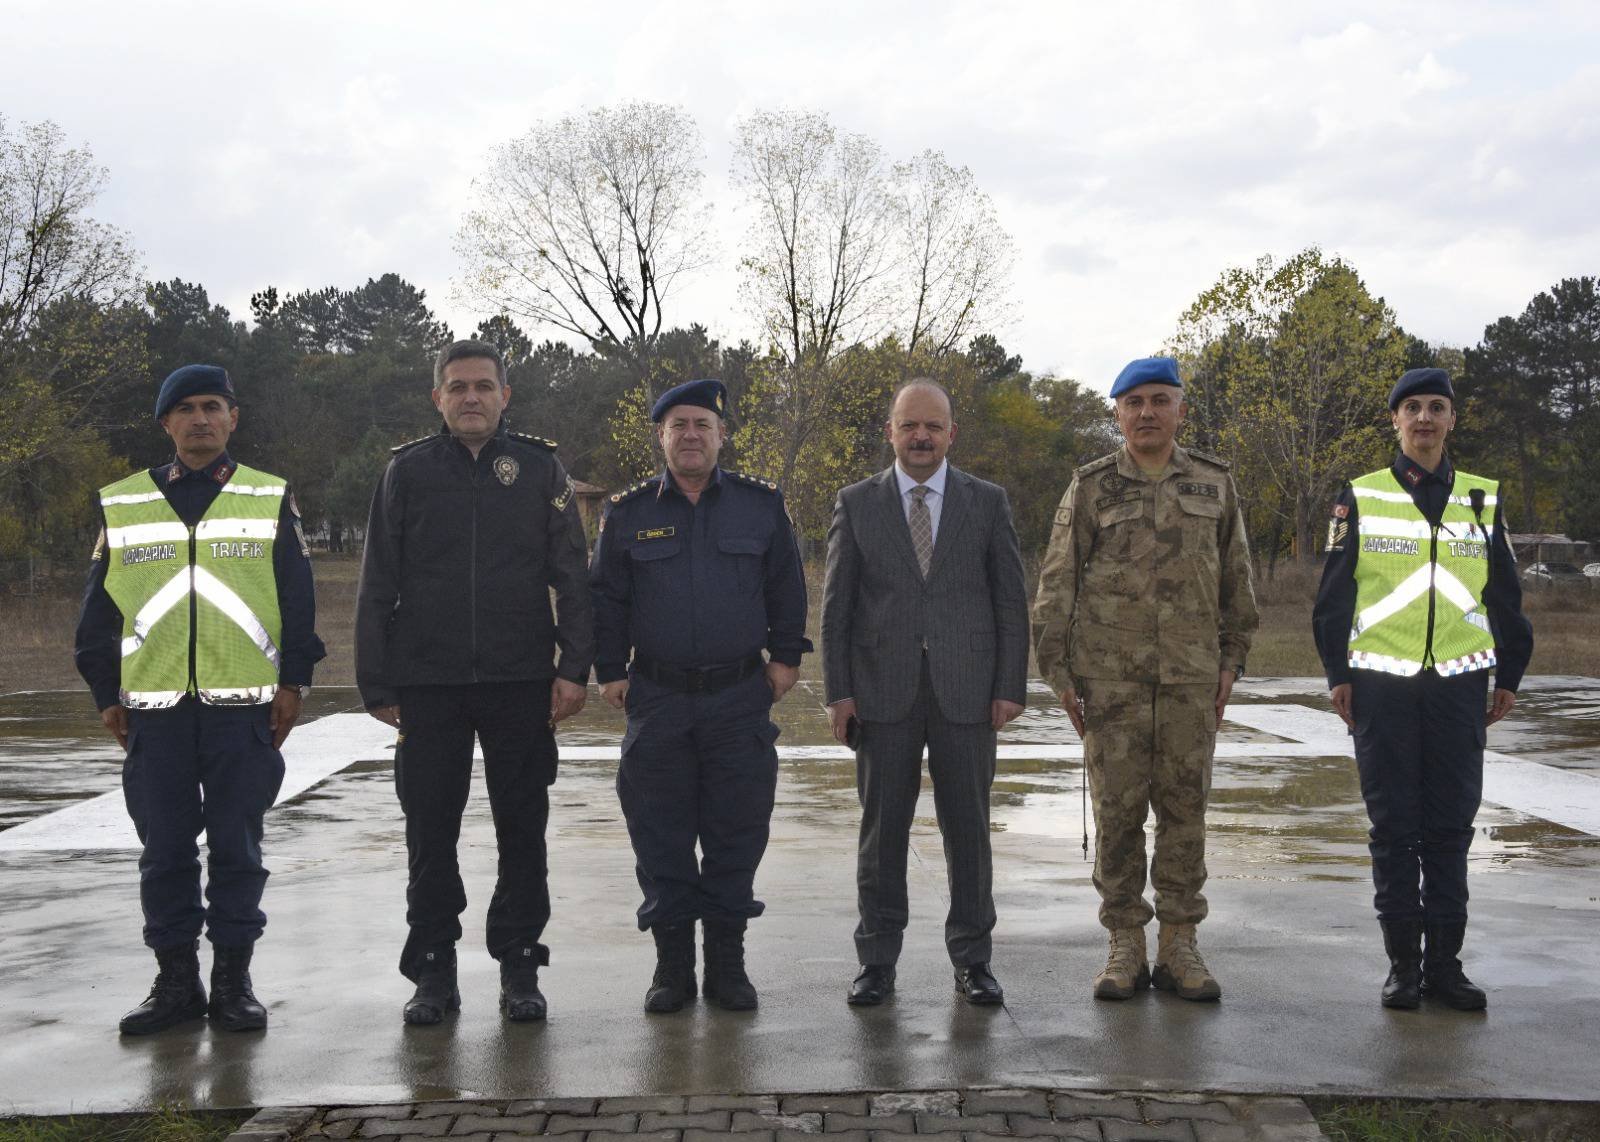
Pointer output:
x,y
1592,570
1555,575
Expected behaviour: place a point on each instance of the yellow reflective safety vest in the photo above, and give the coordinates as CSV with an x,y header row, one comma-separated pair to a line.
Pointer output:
x,y
1419,588
199,605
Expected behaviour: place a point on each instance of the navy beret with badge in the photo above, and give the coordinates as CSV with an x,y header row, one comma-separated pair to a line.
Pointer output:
x,y
193,381
705,394
1146,371
1421,382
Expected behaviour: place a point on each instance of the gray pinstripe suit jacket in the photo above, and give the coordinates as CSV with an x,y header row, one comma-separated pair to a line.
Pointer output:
x,y
877,610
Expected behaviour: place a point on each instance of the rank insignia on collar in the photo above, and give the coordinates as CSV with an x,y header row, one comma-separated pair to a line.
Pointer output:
x,y
506,469
222,473
174,473
657,533
1413,475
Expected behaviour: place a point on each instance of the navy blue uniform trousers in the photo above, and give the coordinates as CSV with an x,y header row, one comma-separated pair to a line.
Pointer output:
x,y
1419,748
698,768
432,775
190,769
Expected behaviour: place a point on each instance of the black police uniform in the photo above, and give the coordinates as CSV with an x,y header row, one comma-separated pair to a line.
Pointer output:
x,y
1420,739
193,766
695,592
454,625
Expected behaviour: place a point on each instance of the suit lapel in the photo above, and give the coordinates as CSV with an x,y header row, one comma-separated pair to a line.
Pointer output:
x,y
952,518
893,519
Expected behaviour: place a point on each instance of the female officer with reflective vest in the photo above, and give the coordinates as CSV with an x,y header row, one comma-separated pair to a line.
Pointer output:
x,y
1419,603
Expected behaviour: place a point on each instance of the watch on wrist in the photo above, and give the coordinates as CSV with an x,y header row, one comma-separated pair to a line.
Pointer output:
x,y
303,691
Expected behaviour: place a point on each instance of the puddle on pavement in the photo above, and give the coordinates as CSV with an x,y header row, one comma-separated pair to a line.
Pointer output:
x,y
1277,817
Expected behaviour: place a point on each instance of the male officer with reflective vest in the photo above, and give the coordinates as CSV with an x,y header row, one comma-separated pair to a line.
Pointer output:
x,y
197,639
1419,602
695,573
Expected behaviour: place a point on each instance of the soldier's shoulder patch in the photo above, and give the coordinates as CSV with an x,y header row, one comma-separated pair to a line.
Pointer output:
x,y
1209,458
1341,511
1094,466
628,493
1338,531
99,547
410,444
542,441
754,481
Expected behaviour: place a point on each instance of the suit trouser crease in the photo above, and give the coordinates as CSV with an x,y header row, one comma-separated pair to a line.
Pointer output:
x,y
433,777
698,770
1149,746
195,769
1419,750
961,766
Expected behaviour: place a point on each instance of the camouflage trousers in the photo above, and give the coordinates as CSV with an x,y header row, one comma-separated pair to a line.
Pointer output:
x,y
1149,746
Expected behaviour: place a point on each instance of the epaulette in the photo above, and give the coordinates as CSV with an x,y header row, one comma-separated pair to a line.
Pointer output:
x,y
1094,466
1209,458
399,448
629,493
545,441
756,481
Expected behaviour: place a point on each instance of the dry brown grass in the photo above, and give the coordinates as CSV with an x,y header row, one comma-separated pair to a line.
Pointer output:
x,y
37,631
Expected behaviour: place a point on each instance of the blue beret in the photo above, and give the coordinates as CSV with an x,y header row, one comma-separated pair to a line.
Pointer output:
x,y
1420,382
191,381
1146,371
706,394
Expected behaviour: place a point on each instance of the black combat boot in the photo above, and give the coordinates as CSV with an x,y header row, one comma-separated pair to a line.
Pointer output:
x,y
436,993
521,1001
234,1006
726,984
1402,939
177,995
1442,977
673,984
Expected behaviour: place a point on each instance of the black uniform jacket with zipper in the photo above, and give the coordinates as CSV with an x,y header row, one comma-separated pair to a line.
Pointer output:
x,y
462,558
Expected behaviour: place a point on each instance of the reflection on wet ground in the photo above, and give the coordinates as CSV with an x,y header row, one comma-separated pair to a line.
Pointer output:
x,y
1289,886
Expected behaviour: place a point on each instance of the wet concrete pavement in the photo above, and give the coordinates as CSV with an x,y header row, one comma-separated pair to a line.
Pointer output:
x,y
1291,937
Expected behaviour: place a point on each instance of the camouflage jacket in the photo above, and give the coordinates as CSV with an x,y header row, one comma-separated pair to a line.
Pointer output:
x,y
1147,578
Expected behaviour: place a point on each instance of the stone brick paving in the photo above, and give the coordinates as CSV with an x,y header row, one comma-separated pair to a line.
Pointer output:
x,y
888,1116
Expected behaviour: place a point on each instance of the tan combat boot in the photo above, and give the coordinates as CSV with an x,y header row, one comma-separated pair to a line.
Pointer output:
x,y
1179,967
1127,966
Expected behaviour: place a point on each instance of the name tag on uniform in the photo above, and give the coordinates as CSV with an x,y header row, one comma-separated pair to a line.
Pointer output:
x,y
656,533
1198,490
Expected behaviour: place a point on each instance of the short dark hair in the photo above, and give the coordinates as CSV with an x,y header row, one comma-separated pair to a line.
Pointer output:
x,y
924,383
464,350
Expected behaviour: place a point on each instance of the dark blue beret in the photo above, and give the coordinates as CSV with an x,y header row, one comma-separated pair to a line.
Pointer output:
x,y
1146,371
706,394
193,381
1421,382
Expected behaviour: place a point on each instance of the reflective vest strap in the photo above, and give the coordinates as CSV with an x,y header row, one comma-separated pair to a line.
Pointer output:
x,y
1412,587
170,595
1383,663
221,596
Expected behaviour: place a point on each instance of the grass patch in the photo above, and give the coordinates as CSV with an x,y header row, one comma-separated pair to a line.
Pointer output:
x,y
1454,1120
168,1124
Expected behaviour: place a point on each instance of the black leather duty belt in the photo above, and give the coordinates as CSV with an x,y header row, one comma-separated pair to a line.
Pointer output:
x,y
697,679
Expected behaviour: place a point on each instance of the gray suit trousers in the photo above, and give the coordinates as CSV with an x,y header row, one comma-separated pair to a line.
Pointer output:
x,y
961,761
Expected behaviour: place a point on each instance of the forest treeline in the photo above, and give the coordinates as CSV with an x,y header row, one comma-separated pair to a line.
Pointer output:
x,y
858,272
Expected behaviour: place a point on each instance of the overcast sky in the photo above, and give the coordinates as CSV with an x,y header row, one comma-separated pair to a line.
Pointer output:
x,y
1450,151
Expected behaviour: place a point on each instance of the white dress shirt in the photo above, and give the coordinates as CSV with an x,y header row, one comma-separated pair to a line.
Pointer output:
x,y
935,496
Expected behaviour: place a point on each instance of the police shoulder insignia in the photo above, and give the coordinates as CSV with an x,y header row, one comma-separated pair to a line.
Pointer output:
x,y
542,441
756,481
560,502
1094,466
1210,459
399,448
506,469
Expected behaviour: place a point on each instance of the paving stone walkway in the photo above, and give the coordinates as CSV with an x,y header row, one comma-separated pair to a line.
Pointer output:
x,y
951,1116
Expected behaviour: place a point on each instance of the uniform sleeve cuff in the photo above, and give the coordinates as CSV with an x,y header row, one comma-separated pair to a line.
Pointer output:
x,y
785,657
106,695
606,672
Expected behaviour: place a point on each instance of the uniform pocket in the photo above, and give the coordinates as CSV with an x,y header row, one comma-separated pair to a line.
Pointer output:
x,y
745,554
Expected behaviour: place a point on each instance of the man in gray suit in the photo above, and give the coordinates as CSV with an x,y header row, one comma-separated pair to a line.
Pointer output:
x,y
925,642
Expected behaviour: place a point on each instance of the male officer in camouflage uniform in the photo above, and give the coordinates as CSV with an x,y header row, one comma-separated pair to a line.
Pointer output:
x,y
1142,623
